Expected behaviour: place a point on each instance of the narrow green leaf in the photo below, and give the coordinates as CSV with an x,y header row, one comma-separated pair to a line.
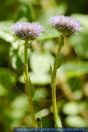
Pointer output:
x,y
60,60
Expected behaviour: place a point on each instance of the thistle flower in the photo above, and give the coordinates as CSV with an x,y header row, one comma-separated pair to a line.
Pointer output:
x,y
27,30
65,24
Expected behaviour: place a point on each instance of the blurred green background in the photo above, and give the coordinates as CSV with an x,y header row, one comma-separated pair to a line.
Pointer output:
x,y
72,77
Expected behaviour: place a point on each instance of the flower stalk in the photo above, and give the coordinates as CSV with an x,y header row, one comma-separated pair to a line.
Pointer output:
x,y
28,84
28,32
57,119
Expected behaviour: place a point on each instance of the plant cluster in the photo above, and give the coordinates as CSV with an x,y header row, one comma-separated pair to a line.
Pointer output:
x,y
30,31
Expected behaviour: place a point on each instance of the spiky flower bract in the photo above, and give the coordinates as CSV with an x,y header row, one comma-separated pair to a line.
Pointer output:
x,y
27,30
65,24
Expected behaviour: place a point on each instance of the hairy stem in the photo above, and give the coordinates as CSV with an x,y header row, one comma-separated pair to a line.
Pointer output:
x,y
53,86
28,84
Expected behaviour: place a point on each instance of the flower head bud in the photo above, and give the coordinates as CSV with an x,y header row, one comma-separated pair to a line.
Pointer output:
x,y
65,24
27,30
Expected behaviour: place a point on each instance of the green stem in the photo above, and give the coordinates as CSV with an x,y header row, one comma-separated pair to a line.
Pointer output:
x,y
28,84
53,86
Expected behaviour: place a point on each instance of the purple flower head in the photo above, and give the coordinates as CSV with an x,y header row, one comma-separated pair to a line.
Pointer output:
x,y
65,24
27,30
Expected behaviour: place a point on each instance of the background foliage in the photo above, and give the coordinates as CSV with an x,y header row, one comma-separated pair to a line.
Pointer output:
x,y
72,77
